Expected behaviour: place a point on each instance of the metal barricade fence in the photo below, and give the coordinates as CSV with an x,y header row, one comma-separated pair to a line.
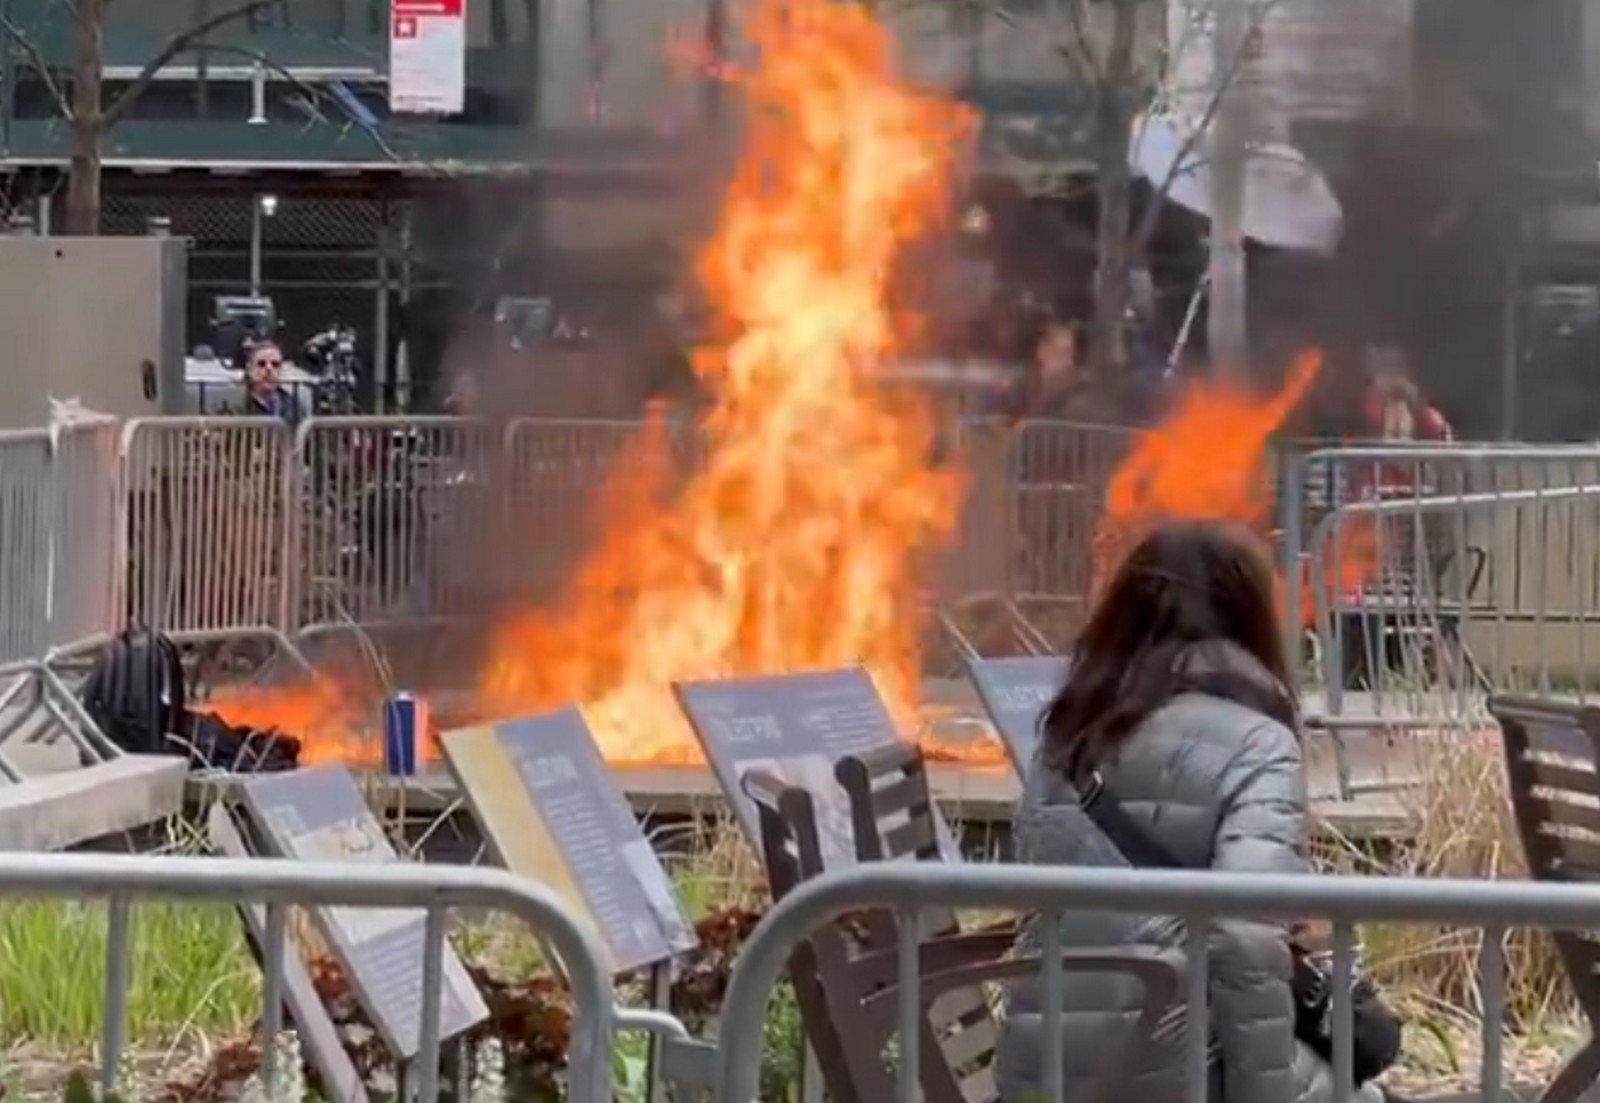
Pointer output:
x,y
912,889
26,516
1442,571
280,884
85,474
976,563
205,526
394,518
556,473
1060,472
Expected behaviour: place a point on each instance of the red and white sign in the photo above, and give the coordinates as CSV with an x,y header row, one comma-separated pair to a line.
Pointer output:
x,y
427,57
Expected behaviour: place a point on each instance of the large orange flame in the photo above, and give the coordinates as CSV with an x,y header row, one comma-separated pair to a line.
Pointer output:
x,y
795,542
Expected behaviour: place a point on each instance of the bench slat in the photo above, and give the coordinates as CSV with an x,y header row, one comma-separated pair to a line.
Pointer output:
x,y
903,794
1564,813
1567,779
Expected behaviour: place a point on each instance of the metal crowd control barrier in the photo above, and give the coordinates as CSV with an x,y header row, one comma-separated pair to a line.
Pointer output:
x,y
395,514
84,595
1442,572
57,553
1060,472
26,517
1199,898
556,470
280,884
206,523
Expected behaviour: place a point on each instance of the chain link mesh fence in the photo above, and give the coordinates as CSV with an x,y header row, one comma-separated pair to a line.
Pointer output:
x,y
319,261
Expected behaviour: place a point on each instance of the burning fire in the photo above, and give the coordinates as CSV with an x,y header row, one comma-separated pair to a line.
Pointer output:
x,y
796,543
798,540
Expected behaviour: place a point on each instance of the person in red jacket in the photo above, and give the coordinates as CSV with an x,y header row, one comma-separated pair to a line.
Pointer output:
x,y
1393,408
1394,411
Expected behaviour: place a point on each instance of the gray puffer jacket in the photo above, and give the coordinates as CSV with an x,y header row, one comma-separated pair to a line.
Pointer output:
x,y
1221,787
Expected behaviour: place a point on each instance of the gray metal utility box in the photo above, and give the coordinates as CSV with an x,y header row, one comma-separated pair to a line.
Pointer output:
x,y
99,319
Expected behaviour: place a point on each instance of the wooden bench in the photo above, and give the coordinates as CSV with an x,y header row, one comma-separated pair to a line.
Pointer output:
x,y
1552,752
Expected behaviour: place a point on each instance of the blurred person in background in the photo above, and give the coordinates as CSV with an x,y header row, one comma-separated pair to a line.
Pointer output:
x,y
1055,384
461,400
1394,411
1393,408
264,393
1174,743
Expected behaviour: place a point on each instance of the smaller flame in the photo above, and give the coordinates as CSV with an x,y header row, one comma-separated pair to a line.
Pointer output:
x,y
1208,460
334,722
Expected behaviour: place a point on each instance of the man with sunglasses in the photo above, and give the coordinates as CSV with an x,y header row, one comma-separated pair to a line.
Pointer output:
x,y
264,395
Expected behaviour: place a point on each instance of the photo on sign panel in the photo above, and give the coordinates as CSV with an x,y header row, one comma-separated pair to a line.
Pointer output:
x,y
552,811
320,814
797,727
836,834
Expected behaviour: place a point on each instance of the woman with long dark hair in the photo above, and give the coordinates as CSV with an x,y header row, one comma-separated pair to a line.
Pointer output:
x,y
1177,717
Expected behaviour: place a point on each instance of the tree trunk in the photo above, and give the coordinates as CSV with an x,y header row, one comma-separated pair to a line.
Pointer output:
x,y
1228,151
83,179
1113,131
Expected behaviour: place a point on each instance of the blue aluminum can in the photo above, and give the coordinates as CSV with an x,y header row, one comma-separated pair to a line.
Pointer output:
x,y
405,729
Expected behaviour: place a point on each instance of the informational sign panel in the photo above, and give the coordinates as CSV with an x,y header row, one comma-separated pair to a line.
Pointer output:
x,y
794,727
427,57
320,815
1015,693
340,1082
552,809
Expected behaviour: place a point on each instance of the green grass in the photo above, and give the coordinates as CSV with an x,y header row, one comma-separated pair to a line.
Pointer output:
x,y
193,981
192,978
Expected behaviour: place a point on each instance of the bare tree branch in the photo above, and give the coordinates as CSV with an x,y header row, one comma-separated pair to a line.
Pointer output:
x,y
1220,85
40,64
177,44
316,97
1081,43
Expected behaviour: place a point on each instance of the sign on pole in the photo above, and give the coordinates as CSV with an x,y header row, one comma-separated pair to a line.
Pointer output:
x,y
427,57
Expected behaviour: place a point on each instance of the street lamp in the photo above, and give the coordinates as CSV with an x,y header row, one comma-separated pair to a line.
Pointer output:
x,y
265,206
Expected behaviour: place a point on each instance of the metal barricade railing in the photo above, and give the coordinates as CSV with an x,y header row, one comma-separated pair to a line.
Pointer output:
x,y
975,606
1060,472
394,516
1198,898
205,523
281,884
556,471
1442,571
85,474
26,518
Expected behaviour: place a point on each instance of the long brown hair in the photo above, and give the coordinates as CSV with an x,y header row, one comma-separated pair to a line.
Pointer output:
x,y
1183,585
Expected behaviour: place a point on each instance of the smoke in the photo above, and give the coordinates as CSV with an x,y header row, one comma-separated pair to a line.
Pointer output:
x,y
1437,180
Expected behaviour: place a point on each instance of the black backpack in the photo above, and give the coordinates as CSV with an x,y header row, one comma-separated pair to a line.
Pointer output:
x,y
136,693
